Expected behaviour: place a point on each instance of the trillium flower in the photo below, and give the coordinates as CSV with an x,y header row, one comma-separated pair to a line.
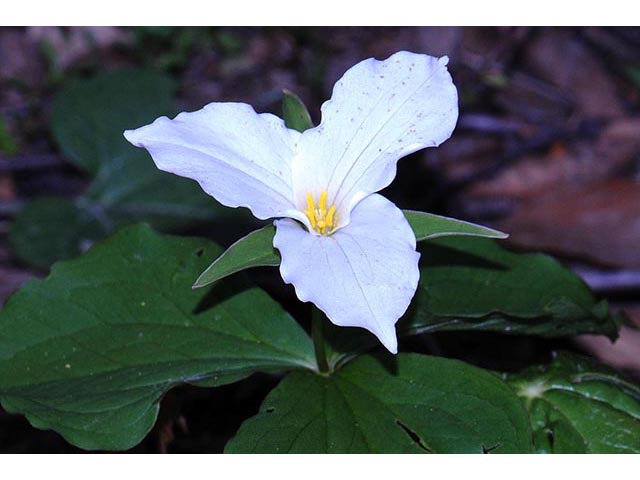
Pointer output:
x,y
344,247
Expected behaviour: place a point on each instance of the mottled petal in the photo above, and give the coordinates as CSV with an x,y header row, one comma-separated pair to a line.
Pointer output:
x,y
239,157
364,275
379,112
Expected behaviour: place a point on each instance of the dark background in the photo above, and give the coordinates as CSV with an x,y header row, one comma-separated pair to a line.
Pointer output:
x,y
547,148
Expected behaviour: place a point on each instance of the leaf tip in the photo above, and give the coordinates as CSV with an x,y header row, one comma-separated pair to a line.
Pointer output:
x,y
199,283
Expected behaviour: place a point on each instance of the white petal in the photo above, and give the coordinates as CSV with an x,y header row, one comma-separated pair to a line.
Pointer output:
x,y
239,157
364,275
379,112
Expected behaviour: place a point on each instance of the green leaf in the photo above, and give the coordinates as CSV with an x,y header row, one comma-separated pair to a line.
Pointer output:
x,y
90,351
89,115
411,404
256,249
51,228
427,226
296,115
577,406
88,119
247,252
473,283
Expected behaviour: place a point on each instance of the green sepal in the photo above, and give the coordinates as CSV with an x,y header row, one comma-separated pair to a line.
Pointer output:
x,y
296,115
252,250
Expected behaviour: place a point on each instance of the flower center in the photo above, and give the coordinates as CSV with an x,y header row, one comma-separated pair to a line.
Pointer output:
x,y
322,220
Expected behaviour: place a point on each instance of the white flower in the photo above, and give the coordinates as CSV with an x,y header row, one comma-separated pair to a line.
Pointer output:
x,y
345,248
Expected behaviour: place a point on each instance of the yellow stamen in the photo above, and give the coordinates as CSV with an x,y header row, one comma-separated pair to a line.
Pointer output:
x,y
322,220
323,201
311,206
330,215
310,211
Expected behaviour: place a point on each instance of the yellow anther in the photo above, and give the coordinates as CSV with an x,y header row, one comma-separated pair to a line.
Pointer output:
x,y
311,206
323,201
322,220
310,211
331,215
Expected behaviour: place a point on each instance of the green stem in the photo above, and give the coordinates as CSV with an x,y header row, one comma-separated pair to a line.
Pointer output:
x,y
317,334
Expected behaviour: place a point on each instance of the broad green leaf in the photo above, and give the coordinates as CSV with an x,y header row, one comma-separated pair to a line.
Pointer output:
x,y
51,228
427,226
256,249
247,252
474,284
90,351
88,119
577,406
411,404
296,115
89,115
